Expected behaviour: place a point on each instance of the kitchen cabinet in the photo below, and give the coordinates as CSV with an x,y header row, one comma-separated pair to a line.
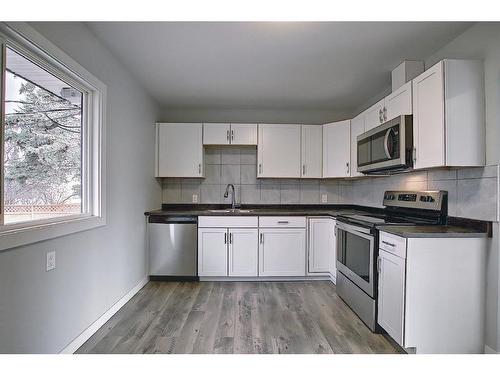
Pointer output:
x,y
448,115
243,252
227,246
337,149
311,151
391,294
321,244
278,150
212,251
179,150
374,116
424,301
398,103
229,134
357,128
282,252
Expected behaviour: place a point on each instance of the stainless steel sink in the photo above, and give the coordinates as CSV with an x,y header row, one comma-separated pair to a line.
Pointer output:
x,y
229,210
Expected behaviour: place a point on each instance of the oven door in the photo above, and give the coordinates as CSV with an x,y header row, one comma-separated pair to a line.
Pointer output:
x,y
355,255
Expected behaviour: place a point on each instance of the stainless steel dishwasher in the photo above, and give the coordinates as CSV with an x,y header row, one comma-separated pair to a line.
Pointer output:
x,y
173,247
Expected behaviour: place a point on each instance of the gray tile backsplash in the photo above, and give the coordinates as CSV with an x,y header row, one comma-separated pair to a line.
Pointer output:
x,y
472,192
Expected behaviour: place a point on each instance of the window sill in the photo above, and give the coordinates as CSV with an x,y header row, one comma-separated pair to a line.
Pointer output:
x,y
36,232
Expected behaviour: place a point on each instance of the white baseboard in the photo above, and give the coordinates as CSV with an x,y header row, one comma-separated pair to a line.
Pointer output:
x,y
489,350
87,333
333,279
264,278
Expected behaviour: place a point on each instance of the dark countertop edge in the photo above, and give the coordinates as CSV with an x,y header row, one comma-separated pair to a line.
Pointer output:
x,y
451,234
480,228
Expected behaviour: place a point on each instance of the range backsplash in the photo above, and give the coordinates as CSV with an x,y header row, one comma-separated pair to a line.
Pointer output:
x,y
472,191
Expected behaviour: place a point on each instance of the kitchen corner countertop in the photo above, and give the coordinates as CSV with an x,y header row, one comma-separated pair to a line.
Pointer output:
x,y
433,231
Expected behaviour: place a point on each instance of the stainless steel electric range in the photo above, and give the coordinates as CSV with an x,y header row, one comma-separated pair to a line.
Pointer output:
x,y
357,244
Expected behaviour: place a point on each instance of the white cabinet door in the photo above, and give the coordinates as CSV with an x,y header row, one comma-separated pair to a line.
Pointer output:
x,y
243,252
212,251
336,149
398,103
216,134
279,151
321,244
428,118
391,294
282,252
333,254
179,150
311,153
243,134
357,128
374,116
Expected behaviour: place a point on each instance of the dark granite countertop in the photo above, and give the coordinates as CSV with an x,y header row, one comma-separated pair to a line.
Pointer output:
x,y
433,231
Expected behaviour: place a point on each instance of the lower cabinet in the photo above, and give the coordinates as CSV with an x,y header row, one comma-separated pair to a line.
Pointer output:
x,y
321,245
282,252
227,252
391,294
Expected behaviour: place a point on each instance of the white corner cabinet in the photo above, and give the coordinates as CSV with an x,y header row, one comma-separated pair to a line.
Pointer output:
x,y
448,115
278,150
321,246
179,150
229,134
424,301
311,151
227,246
337,149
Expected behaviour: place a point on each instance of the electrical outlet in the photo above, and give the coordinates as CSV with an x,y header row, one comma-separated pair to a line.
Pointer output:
x,y
51,260
324,198
195,198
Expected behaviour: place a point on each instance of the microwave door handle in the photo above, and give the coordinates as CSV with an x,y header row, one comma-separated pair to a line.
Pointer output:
x,y
386,145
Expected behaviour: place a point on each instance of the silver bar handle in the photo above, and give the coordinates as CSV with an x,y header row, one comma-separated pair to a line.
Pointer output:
x,y
230,238
227,135
199,168
232,135
347,166
380,118
225,238
414,152
378,264
385,113
388,244
283,222
303,170
262,238
260,168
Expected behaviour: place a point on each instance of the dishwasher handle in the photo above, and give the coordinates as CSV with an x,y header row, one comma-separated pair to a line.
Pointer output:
x,y
164,219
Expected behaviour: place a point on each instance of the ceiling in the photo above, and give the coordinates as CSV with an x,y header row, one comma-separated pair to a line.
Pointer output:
x,y
269,65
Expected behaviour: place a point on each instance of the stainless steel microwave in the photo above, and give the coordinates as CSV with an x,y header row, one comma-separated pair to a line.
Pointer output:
x,y
387,147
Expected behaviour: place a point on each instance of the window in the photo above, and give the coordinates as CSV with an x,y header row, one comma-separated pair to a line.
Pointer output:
x,y
51,141
42,143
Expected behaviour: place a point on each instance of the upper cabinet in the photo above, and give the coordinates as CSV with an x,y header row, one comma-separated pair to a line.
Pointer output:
x,y
229,134
278,151
336,149
357,128
179,150
448,115
396,104
311,151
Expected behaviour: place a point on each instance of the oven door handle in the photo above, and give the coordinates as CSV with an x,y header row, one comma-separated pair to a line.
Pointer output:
x,y
386,144
361,231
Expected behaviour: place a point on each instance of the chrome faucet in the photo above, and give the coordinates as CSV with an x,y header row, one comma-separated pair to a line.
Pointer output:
x,y
226,194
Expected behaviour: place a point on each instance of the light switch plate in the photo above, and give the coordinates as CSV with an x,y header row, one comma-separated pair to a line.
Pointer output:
x,y
324,198
50,261
195,198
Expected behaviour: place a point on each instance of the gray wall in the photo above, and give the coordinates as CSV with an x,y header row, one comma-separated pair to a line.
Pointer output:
x,y
42,312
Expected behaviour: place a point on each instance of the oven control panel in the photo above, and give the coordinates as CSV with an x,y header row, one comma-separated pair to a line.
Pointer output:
x,y
427,200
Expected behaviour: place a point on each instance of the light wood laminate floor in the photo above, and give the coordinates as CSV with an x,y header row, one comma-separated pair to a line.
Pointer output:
x,y
236,317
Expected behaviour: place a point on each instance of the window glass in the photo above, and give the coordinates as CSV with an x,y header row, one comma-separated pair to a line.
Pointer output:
x,y
42,143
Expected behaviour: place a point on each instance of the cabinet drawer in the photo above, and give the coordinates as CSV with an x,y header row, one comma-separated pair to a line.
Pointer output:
x,y
228,222
393,244
282,221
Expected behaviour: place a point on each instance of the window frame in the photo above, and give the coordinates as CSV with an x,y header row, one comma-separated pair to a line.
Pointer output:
x,y
24,39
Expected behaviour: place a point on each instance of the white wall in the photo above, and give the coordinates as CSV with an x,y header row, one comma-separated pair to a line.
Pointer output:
x,y
482,42
42,312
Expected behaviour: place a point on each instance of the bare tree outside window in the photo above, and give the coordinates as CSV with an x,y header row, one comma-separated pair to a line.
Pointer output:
x,y
42,143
